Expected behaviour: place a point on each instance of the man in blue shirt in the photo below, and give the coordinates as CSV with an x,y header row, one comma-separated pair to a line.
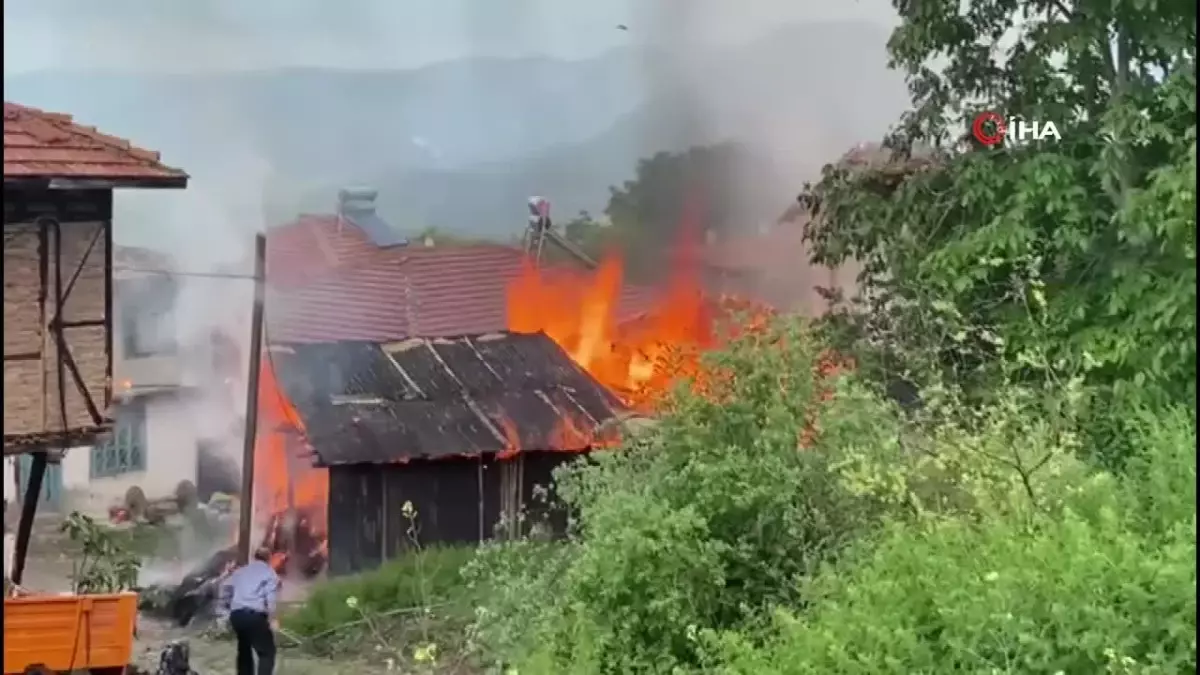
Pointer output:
x,y
249,595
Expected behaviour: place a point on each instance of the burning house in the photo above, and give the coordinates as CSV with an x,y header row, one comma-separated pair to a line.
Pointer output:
x,y
374,407
465,431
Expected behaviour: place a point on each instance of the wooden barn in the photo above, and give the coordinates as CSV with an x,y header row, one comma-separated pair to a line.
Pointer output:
x,y
468,430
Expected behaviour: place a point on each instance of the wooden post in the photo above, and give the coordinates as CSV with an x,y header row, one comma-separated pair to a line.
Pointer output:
x,y
29,504
246,514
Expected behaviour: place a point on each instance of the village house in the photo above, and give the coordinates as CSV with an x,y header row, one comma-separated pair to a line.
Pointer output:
x,y
160,378
59,178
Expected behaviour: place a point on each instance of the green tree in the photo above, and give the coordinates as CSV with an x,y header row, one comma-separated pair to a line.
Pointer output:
x,y
593,237
702,189
1063,257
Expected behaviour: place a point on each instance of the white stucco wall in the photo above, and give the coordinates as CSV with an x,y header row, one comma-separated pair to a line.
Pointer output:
x,y
10,479
171,442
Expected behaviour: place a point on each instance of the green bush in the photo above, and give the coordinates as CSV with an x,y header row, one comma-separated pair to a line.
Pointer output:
x,y
1104,582
703,522
953,539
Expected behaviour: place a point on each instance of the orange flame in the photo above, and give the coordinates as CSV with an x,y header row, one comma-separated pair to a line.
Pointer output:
x,y
284,477
579,311
512,438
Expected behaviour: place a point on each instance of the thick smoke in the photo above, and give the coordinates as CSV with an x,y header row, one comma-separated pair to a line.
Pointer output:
x,y
703,63
208,233
791,99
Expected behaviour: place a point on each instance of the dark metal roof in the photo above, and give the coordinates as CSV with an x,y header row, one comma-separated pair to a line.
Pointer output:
x,y
369,403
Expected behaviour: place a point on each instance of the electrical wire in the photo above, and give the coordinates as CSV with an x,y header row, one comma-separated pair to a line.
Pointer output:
x,y
173,273
10,256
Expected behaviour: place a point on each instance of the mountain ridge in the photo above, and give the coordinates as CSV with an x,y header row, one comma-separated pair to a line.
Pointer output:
x,y
496,129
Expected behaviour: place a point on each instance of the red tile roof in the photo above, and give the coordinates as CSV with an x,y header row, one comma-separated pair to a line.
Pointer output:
x,y
312,247
39,144
329,282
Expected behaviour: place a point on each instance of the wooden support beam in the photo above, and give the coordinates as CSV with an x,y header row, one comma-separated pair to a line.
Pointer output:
x,y
29,504
246,512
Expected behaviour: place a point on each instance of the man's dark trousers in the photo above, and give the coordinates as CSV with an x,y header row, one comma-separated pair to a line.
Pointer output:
x,y
254,637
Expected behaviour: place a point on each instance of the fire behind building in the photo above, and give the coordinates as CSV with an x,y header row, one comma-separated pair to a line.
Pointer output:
x,y
422,441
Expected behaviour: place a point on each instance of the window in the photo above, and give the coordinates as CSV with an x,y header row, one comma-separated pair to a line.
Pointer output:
x,y
149,332
125,450
147,319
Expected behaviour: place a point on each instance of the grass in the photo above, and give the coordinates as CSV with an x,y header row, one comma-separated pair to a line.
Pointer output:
x,y
419,599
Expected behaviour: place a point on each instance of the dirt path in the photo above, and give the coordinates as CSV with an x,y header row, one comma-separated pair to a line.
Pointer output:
x,y
216,657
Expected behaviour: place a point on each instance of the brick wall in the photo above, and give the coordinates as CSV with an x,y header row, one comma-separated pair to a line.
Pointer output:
x,y
30,385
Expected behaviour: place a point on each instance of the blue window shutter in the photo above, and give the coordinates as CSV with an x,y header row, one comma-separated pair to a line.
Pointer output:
x,y
125,450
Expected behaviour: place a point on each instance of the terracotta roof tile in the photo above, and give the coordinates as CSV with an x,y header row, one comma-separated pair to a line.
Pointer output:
x,y
40,144
312,247
347,289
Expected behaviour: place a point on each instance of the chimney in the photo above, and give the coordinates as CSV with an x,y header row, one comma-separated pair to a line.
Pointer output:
x,y
357,205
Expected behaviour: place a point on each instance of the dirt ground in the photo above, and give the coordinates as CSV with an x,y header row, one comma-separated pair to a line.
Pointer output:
x,y
216,657
49,569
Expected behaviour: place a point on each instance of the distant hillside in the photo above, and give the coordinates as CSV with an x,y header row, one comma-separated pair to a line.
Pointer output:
x,y
460,145
335,123
809,91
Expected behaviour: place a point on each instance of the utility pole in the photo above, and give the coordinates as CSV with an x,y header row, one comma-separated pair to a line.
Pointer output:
x,y
246,513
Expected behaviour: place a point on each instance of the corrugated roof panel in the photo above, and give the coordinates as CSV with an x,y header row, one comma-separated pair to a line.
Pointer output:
x,y
360,406
421,365
472,373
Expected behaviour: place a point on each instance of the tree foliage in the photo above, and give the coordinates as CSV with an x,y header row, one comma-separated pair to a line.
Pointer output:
x,y
1102,584
106,563
1068,257
703,188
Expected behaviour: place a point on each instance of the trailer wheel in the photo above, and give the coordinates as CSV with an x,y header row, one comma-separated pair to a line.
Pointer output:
x,y
135,502
37,669
116,670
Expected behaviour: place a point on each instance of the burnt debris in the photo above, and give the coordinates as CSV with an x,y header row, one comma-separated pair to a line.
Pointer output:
x,y
295,546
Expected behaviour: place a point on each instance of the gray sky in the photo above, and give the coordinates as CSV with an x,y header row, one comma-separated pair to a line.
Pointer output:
x,y
189,35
